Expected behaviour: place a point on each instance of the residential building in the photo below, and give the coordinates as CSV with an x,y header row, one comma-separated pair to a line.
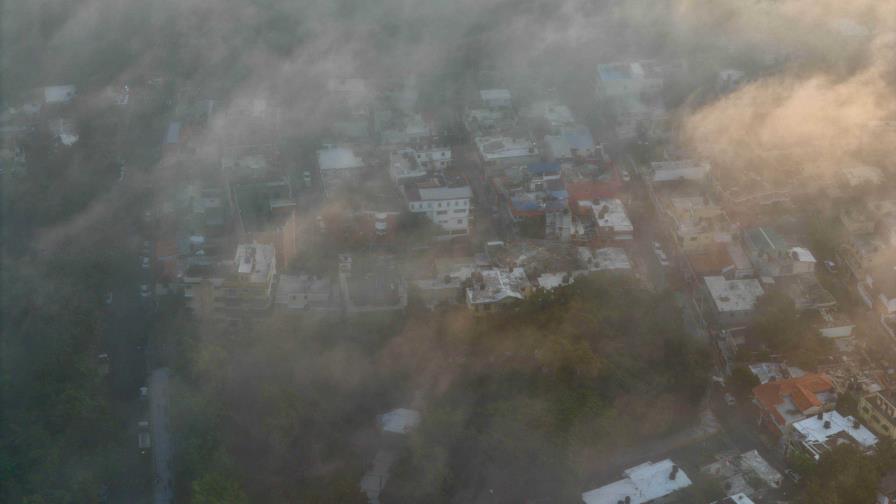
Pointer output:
x,y
879,410
670,171
495,98
609,219
536,206
878,288
729,303
492,288
861,253
773,257
59,95
820,433
338,165
305,292
499,152
886,490
781,403
371,283
642,484
571,143
735,499
552,112
237,290
746,473
444,200
604,259
408,164
772,371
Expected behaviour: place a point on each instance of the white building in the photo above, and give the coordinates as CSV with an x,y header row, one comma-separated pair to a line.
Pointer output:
x,y
670,171
731,302
54,95
610,220
493,287
445,201
337,165
495,98
821,433
644,483
604,259
505,151
408,164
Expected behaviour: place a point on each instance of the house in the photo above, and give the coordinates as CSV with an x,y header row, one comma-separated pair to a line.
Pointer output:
x,y
495,98
237,290
783,402
408,164
552,112
746,473
338,165
861,253
735,499
444,200
729,303
609,219
570,143
59,95
772,371
535,205
886,490
399,421
371,283
645,483
499,152
820,433
492,288
879,410
669,171
805,290
604,259
304,292
772,257
878,288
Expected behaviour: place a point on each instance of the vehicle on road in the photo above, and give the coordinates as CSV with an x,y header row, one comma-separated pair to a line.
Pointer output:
x,y
831,266
144,290
729,399
108,298
144,262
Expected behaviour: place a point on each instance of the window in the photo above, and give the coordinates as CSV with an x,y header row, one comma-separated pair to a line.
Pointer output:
x,y
441,212
460,221
459,211
440,204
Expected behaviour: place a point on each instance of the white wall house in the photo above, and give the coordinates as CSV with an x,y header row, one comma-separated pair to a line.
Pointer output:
x,y
445,202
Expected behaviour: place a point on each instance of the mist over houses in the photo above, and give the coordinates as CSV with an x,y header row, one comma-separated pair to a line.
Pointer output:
x,y
391,207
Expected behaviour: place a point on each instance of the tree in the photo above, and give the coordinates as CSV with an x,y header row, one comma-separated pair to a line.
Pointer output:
x,y
844,475
217,487
776,322
742,381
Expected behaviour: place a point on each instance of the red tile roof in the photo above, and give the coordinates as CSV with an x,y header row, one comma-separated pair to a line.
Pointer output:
x,y
802,391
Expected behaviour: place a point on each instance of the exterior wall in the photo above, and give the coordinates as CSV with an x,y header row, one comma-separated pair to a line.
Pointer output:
x,y
883,425
450,215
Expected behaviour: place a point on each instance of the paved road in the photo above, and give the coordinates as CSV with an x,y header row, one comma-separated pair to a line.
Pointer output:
x,y
163,483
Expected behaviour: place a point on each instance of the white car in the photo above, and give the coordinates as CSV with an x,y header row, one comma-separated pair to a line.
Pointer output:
x,y
144,262
108,298
144,290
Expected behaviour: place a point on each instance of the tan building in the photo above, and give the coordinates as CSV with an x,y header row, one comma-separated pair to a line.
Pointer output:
x,y
878,410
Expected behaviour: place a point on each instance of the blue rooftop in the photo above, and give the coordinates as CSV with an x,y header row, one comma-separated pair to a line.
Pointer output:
x,y
543,168
172,136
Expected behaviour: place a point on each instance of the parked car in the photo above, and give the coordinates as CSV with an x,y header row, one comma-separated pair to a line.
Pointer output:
x,y
109,298
144,262
831,266
144,290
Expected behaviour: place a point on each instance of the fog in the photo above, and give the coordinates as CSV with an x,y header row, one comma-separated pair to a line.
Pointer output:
x,y
538,403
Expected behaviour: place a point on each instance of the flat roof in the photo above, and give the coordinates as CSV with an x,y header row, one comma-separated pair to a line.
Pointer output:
x,y
400,421
733,295
59,94
338,158
642,483
687,169
832,428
